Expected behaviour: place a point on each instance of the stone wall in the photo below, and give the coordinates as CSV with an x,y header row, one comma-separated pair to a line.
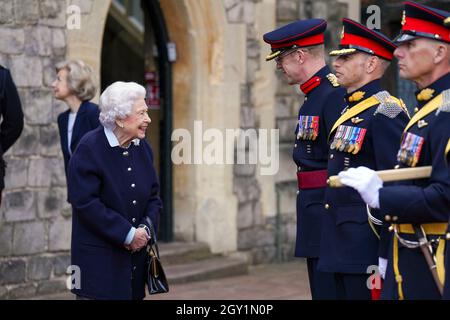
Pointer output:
x,y
35,221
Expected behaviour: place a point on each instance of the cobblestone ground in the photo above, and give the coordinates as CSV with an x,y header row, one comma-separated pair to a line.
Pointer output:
x,y
280,281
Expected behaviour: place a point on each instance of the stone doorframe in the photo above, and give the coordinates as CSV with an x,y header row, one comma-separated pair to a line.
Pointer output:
x,y
206,86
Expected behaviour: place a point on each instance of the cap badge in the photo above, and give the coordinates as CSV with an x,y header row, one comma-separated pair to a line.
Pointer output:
x,y
342,33
403,18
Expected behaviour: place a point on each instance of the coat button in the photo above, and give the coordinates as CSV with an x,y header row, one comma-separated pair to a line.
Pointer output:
x,y
133,220
387,217
331,156
327,206
298,191
133,185
129,169
125,153
134,202
447,236
394,218
299,169
295,145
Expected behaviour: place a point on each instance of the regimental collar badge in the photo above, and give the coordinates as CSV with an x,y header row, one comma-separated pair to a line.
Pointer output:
x,y
356,96
425,94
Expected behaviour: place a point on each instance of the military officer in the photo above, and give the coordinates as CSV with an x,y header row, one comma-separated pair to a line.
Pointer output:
x,y
298,50
367,133
418,210
446,295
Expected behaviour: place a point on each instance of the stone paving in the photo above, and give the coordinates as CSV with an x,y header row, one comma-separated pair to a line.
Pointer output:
x,y
277,281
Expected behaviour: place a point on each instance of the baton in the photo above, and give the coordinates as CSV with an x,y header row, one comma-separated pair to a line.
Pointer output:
x,y
391,175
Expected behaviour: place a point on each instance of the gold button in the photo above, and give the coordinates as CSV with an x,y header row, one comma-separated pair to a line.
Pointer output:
x,y
327,206
447,236
387,217
394,218
331,156
416,109
391,228
397,166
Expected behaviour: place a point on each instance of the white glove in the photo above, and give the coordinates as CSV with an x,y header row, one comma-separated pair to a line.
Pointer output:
x,y
382,265
366,182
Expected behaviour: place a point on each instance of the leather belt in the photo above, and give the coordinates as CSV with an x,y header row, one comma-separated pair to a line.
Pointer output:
x,y
312,179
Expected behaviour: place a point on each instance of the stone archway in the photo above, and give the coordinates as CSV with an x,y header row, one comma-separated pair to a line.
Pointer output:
x,y
204,89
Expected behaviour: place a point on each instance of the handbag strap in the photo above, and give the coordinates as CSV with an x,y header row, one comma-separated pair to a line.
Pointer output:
x,y
152,237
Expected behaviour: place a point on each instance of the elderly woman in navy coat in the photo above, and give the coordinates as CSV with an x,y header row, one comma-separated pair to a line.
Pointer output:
x,y
75,86
113,188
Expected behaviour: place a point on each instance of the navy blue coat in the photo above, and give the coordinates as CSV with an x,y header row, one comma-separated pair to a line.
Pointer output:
x,y
325,101
111,189
446,295
420,201
85,121
348,243
11,116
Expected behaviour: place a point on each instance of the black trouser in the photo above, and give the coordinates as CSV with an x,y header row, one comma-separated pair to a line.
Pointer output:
x,y
322,284
352,286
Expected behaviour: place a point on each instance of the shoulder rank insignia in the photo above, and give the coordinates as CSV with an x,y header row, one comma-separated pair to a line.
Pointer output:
x,y
388,105
358,95
445,102
425,94
333,80
447,21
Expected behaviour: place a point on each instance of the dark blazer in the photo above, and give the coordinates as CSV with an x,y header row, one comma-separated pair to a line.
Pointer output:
x,y
348,244
110,189
85,121
326,102
11,115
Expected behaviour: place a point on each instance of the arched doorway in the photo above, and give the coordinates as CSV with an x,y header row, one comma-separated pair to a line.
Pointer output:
x,y
133,49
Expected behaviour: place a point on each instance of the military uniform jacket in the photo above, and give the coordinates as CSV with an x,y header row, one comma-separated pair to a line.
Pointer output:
x,y
369,138
323,105
111,189
423,144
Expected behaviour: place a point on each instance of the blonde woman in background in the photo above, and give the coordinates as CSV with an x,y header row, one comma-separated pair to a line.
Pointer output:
x,y
75,86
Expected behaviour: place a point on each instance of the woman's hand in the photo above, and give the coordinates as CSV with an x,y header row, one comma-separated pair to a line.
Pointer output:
x,y
140,240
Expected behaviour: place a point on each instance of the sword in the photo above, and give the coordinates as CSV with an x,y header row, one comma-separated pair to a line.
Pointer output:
x,y
391,175
427,251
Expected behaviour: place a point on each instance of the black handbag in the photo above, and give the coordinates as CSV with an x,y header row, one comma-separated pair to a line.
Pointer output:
x,y
156,278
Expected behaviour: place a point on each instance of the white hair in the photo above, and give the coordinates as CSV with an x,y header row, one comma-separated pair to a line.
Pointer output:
x,y
116,102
